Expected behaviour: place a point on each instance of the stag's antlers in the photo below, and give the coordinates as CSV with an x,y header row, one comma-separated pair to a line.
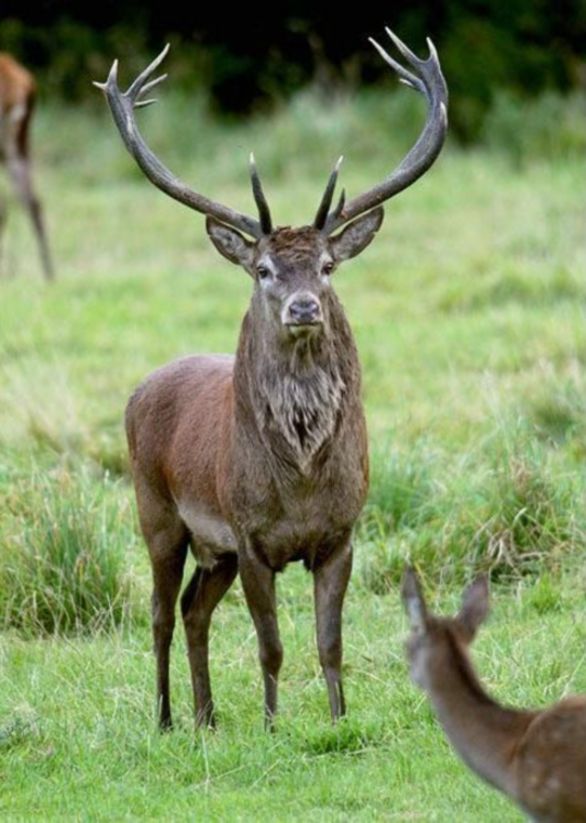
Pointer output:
x,y
122,106
430,82
426,78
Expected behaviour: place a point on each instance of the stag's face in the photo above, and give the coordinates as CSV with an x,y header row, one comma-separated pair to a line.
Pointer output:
x,y
293,268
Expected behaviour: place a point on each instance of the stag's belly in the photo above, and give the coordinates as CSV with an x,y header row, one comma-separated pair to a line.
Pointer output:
x,y
288,538
211,534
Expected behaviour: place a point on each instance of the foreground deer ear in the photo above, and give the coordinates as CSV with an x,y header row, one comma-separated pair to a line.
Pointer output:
x,y
475,606
357,235
230,243
413,600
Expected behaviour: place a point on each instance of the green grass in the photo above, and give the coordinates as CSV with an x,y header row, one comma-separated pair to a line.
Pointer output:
x,y
504,507
64,556
77,737
469,315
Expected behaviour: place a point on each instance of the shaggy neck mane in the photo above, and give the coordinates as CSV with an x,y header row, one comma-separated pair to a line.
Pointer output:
x,y
302,399
297,388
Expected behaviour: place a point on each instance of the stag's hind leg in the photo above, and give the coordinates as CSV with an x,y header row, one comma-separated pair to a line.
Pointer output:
x,y
167,539
201,596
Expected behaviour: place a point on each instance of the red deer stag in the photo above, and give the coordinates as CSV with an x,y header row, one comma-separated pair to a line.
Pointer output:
x,y
17,99
536,757
259,460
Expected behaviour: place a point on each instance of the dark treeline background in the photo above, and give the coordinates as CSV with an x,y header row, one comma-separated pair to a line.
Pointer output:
x,y
247,59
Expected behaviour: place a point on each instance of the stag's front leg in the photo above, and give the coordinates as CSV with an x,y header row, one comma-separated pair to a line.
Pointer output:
x,y
258,582
330,581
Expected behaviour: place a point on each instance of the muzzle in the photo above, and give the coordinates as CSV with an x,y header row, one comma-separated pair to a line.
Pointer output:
x,y
302,309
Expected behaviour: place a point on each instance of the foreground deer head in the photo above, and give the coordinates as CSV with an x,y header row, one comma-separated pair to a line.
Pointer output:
x,y
17,100
260,460
537,758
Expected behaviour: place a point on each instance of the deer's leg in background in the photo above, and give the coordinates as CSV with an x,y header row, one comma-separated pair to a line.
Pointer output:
x,y
18,166
201,596
258,581
330,580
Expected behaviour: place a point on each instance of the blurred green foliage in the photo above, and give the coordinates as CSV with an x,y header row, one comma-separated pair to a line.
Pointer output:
x,y
245,61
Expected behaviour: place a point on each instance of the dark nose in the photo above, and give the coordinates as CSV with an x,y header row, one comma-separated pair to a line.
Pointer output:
x,y
304,310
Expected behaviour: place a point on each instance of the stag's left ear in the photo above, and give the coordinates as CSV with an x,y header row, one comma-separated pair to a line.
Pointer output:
x,y
475,606
413,600
357,235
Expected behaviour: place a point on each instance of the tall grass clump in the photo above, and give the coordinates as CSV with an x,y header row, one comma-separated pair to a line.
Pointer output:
x,y
558,410
404,493
402,489
524,510
509,507
63,568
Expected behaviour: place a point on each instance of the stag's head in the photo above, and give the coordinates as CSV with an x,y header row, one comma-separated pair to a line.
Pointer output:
x,y
292,267
431,644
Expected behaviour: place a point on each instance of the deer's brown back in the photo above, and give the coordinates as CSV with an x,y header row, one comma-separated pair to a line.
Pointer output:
x,y
552,762
17,85
17,96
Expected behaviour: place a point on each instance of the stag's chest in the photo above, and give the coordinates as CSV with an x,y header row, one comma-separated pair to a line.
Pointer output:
x,y
301,535
296,470
289,514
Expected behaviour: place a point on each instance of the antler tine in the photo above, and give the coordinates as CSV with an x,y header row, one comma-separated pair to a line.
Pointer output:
x,y
144,103
340,207
432,50
426,78
326,201
122,106
405,76
138,87
409,56
151,85
262,205
111,80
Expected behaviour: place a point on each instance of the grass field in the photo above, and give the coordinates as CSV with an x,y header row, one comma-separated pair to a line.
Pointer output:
x,y
469,316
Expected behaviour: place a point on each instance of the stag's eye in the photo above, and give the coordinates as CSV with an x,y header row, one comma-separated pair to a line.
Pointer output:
x,y
263,272
327,268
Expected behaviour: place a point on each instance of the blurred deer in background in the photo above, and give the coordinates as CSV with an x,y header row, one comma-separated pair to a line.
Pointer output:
x,y
260,460
536,757
17,101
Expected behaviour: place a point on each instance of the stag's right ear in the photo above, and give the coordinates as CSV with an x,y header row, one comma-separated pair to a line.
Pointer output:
x,y
229,242
413,600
